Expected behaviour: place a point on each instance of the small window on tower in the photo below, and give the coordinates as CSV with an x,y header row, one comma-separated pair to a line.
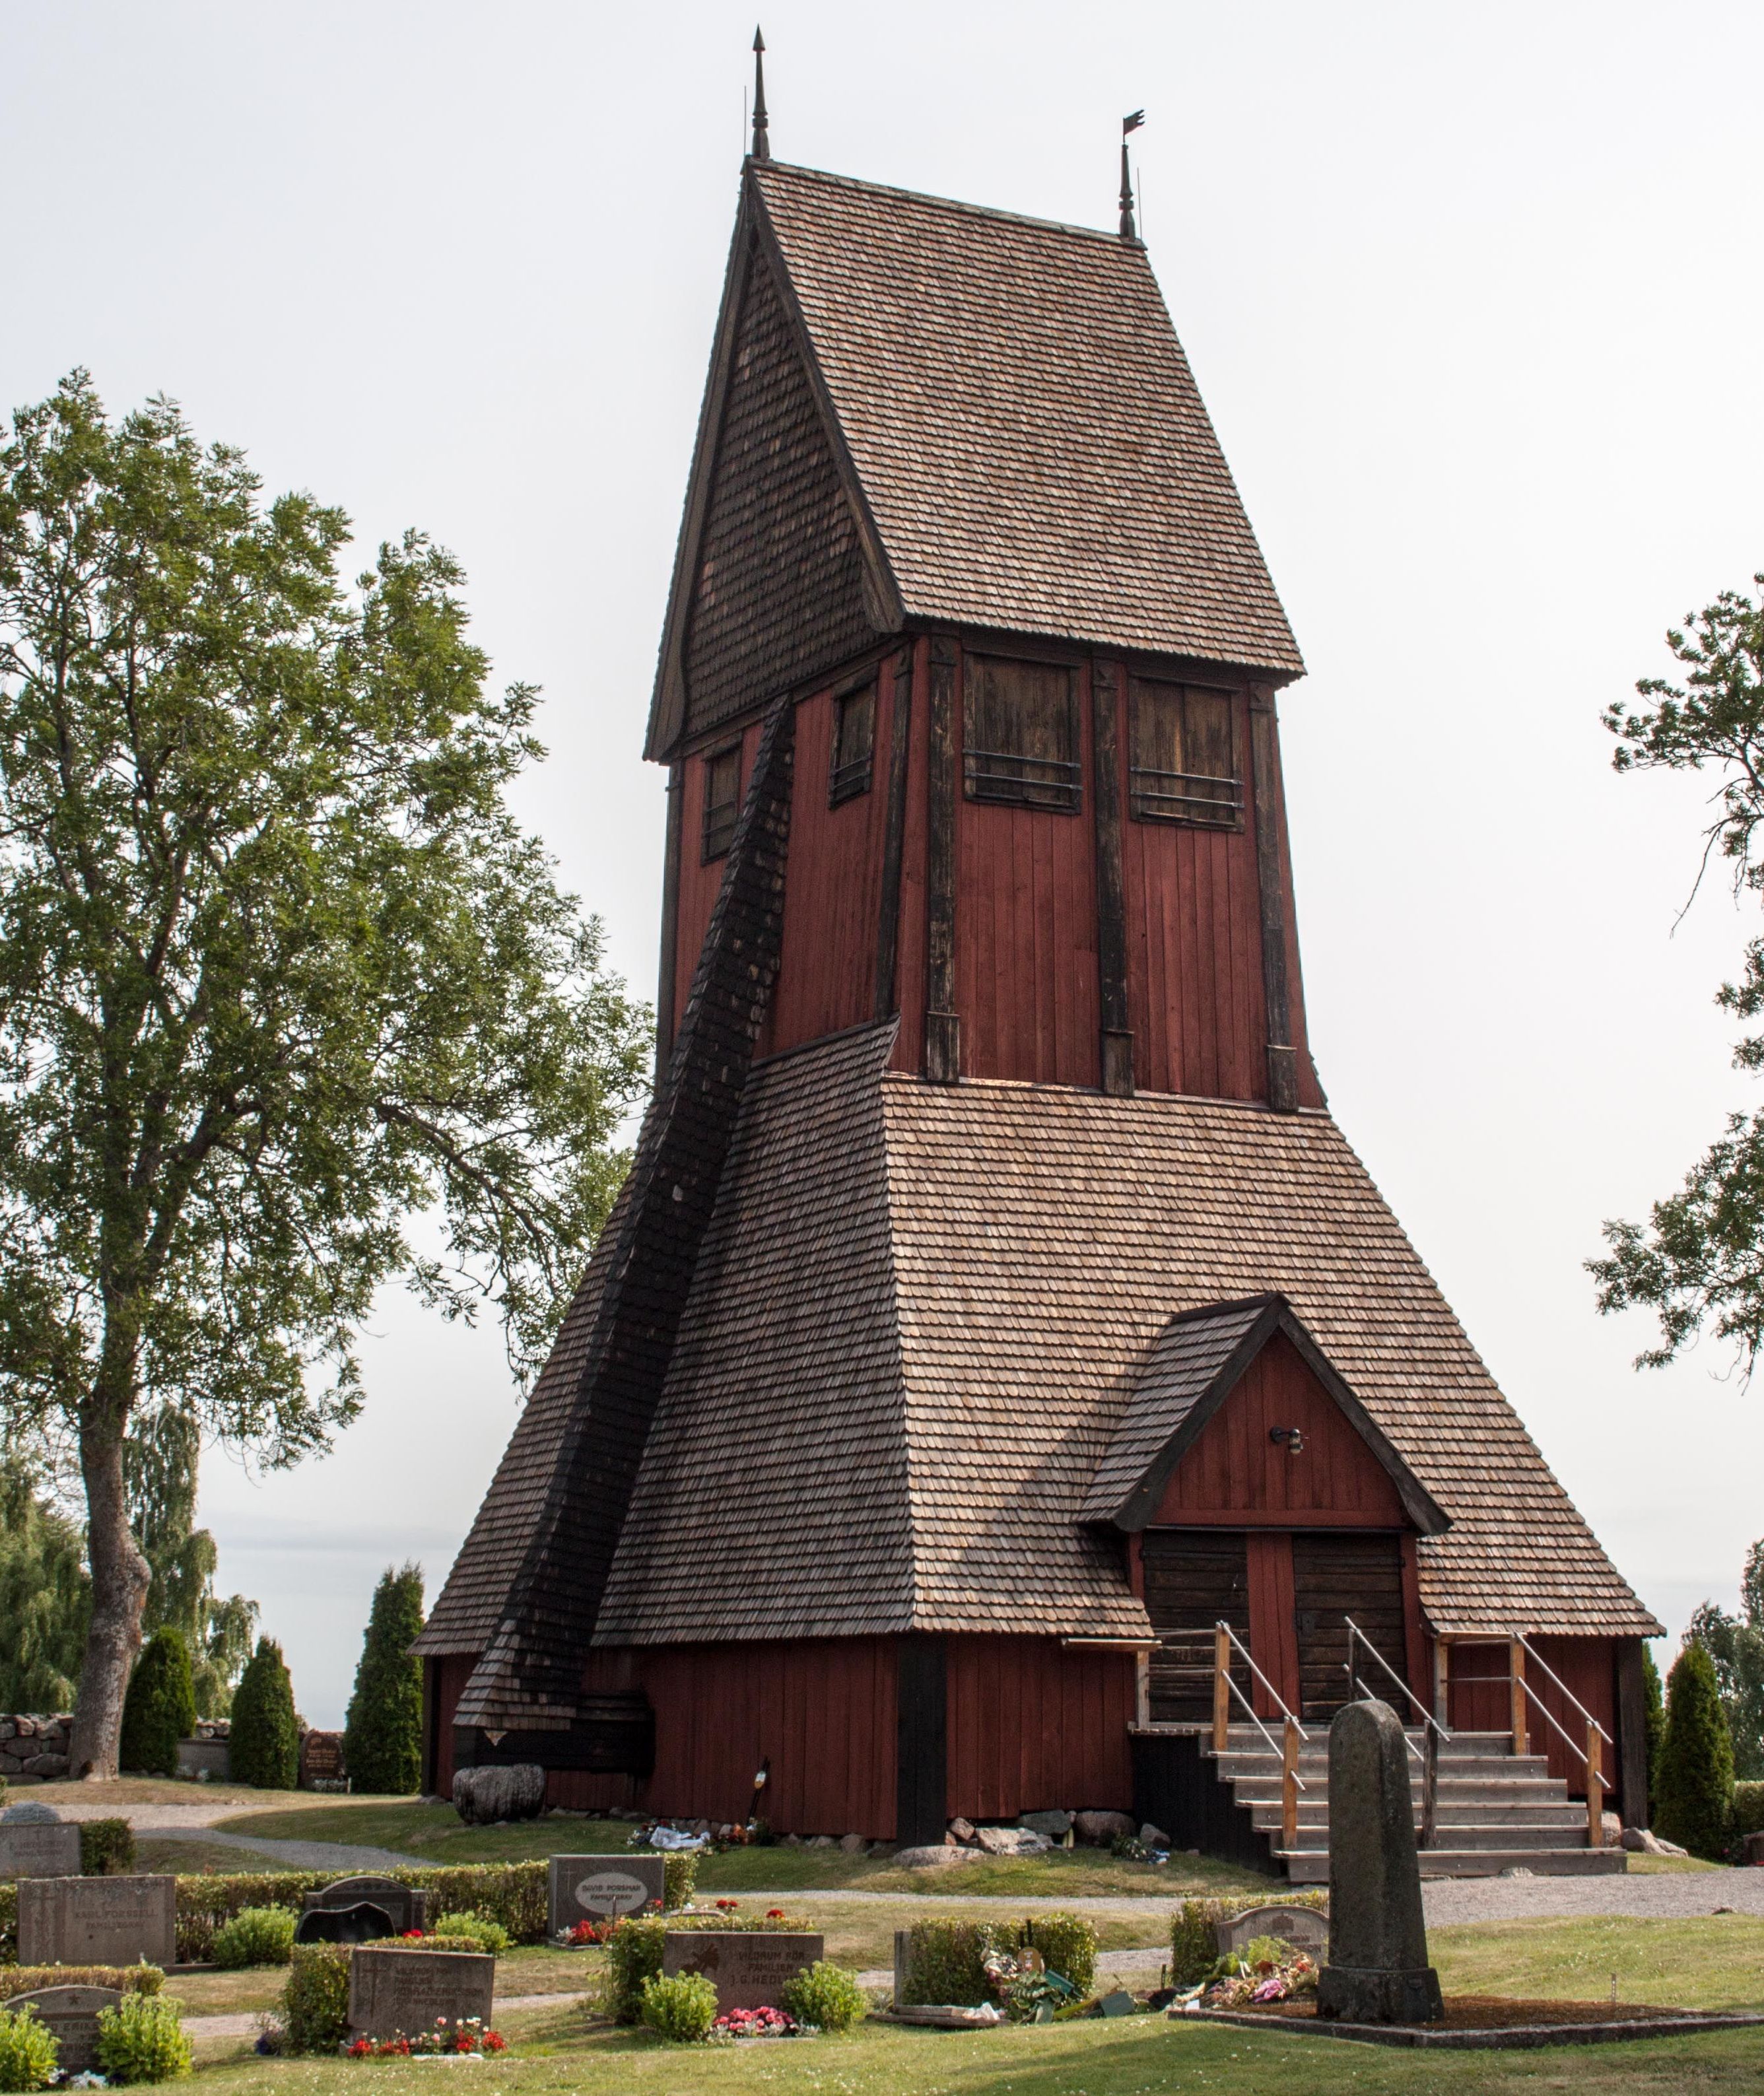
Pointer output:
x,y
1021,740
722,800
1184,762
854,745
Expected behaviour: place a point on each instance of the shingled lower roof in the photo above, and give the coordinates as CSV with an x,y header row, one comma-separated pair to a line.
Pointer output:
x,y
920,1318
1021,440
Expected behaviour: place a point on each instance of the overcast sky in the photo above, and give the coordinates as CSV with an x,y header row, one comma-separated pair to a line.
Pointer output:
x,y
1472,296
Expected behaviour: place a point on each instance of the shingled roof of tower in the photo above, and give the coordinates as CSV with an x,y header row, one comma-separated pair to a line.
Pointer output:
x,y
1019,431
899,1369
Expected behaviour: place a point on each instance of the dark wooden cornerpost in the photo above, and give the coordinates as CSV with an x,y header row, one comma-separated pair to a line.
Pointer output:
x,y
431,1724
670,907
1117,1045
1264,765
943,1029
1632,1785
888,932
921,1731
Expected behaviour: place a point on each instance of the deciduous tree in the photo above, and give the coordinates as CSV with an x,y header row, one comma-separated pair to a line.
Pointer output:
x,y
278,969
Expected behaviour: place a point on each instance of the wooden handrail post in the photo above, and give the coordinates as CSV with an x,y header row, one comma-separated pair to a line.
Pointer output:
x,y
1429,1795
1595,1789
1515,1672
1441,1683
1288,1787
1141,1687
1221,1691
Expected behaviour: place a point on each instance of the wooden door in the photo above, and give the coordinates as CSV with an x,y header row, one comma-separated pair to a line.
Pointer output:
x,y
1356,1573
1194,1577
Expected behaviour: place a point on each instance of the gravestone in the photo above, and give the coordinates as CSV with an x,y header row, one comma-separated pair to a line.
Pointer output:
x,y
39,1851
70,2015
600,1887
747,1968
209,1761
392,1991
1306,1929
404,1907
321,1760
1378,1972
98,1921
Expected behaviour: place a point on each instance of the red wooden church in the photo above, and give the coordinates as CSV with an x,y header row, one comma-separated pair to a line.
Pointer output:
x,y
994,1309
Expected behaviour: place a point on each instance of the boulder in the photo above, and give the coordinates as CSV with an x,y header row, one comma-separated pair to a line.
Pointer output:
x,y
961,1830
1644,1841
853,1845
1012,1842
821,1841
1155,1837
1611,1829
1098,1829
1056,1826
482,1797
46,1766
933,1857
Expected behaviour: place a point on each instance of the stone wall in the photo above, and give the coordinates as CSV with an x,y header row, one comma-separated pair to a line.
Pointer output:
x,y
33,1746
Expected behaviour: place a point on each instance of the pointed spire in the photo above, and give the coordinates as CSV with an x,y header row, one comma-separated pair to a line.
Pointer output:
x,y
1129,124
761,148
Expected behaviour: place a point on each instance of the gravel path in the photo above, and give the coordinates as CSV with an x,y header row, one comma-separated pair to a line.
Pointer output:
x,y
1674,1895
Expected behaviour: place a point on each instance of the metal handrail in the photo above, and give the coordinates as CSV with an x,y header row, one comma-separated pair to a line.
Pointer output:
x,y
1250,1662
1525,1643
1567,1737
1356,1681
1427,1717
1274,1745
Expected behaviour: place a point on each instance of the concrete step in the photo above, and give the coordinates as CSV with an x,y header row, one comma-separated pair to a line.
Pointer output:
x,y
1311,1866
1314,1813
1547,1839
1531,1792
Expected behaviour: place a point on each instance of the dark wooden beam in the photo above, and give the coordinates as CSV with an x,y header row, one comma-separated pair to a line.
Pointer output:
x,y
921,1748
943,1029
888,932
1632,1785
1117,1043
1264,767
670,910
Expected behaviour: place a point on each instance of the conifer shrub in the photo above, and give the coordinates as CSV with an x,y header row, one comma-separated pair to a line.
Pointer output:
x,y
107,1848
265,1744
1747,1809
255,1936
1654,1711
382,1734
315,2003
159,1708
28,2052
143,2040
1695,1805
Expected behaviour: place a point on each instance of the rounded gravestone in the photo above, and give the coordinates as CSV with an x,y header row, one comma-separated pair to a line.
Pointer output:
x,y
29,1813
1378,1972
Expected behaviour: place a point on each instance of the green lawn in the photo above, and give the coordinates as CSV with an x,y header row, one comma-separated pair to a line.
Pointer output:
x,y
554,2051
1707,1962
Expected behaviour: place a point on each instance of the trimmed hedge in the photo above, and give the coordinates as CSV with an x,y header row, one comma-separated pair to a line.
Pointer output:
x,y
107,1848
945,1959
315,2003
125,1978
1195,1948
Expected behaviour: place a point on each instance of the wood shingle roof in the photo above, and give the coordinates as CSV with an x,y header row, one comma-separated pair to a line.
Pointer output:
x,y
1022,443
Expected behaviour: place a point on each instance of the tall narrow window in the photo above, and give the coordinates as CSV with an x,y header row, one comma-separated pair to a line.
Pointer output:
x,y
722,800
854,743
1021,739
1184,763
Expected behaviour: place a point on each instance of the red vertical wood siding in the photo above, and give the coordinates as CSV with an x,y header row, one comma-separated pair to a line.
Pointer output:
x,y
1195,944
1026,933
1234,1474
1032,1725
698,882
1273,1622
833,888
909,964
451,1675
1310,1091
1588,1668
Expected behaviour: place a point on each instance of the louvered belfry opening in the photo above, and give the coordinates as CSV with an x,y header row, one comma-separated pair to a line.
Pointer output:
x,y
994,1306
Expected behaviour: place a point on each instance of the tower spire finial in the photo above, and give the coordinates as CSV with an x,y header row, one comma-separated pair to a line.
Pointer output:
x,y
1129,124
761,148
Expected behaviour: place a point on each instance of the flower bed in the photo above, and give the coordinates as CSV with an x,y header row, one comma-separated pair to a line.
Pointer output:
x,y
753,2023
453,2040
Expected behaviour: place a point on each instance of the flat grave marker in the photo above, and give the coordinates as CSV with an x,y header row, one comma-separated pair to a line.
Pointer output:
x,y
70,2013
747,1968
604,1887
39,1851
98,1921
410,1991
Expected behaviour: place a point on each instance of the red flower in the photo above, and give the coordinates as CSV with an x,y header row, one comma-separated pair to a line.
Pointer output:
x,y
726,1904
774,1913
495,2042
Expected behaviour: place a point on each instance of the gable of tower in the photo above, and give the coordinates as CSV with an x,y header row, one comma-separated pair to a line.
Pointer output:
x,y
777,583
